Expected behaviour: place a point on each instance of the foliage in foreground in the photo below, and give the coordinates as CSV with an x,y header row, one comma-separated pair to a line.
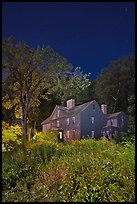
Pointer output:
x,y
86,170
11,135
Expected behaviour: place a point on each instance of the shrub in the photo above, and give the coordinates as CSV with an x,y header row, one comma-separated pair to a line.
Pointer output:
x,y
122,137
50,136
86,170
11,135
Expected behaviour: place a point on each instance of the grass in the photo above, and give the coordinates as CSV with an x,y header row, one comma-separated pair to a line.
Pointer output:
x,y
81,171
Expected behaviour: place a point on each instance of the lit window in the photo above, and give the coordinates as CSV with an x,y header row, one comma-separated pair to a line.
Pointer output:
x,y
57,123
67,121
92,134
73,119
67,134
60,135
92,120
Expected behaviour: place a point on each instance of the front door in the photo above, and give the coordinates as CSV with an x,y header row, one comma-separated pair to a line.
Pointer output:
x,y
60,136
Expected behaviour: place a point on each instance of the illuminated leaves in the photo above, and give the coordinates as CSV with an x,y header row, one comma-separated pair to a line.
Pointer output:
x,y
11,133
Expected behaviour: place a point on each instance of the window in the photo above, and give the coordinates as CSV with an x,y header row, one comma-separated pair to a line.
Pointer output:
x,y
73,119
92,134
104,133
122,121
58,113
60,135
93,106
92,120
57,123
111,121
67,134
67,121
48,126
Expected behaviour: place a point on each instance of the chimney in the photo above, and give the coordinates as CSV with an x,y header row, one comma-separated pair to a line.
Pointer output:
x,y
104,108
70,103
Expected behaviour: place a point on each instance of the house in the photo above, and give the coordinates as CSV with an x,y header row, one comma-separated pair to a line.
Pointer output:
x,y
74,122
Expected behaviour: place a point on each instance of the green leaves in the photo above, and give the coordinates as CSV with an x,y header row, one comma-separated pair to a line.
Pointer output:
x,y
86,170
11,133
116,84
28,73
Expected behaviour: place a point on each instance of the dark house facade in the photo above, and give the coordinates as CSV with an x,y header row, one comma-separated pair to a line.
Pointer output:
x,y
89,119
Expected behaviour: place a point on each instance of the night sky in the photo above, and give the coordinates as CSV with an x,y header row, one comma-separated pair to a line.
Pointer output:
x,y
89,35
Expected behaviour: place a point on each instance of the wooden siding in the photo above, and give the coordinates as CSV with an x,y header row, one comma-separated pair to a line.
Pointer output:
x,y
113,122
88,121
123,128
86,127
73,128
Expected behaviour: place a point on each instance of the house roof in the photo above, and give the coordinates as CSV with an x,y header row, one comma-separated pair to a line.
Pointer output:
x,y
46,121
110,126
69,112
113,114
75,110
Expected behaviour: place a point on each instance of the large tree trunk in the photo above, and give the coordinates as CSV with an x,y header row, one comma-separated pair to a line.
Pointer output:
x,y
24,106
29,133
24,126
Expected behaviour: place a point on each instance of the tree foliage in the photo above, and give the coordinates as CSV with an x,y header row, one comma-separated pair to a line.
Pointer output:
x,y
30,72
74,85
116,84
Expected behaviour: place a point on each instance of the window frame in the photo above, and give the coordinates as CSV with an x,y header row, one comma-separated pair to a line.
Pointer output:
x,y
58,113
92,120
68,134
122,121
68,121
57,123
73,119
92,134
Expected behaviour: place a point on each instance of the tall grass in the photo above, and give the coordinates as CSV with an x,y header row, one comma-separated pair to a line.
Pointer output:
x,y
86,170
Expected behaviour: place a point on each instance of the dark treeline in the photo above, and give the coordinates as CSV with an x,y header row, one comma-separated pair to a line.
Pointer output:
x,y
35,80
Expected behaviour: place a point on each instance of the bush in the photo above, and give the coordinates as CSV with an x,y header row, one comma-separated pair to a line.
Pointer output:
x,y
122,137
86,170
42,151
11,135
50,136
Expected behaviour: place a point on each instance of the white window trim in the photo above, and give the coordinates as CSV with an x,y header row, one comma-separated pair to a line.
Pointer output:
x,y
58,113
57,123
92,134
122,121
74,120
67,133
111,122
68,121
92,120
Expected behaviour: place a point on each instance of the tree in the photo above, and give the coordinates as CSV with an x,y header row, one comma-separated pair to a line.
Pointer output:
x,y
116,84
74,85
30,72
131,114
